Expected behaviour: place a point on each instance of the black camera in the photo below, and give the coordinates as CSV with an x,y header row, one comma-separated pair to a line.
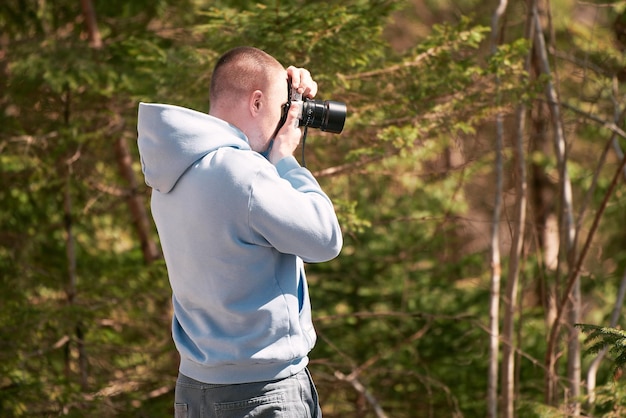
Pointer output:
x,y
326,115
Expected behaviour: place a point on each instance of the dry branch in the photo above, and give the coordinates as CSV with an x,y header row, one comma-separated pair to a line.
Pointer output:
x,y
358,386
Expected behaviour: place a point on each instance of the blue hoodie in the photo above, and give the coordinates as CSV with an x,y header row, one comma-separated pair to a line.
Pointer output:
x,y
235,232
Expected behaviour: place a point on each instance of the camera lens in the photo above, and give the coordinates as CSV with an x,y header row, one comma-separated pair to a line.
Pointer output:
x,y
326,115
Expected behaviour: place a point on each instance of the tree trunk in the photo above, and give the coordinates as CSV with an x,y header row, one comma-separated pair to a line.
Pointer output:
x,y
508,350
93,33
135,202
510,300
542,196
574,351
496,268
567,230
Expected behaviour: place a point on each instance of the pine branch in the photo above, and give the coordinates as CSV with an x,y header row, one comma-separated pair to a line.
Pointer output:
x,y
598,338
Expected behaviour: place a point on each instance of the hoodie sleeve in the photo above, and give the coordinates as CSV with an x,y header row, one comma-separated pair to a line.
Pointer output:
x,y
291,213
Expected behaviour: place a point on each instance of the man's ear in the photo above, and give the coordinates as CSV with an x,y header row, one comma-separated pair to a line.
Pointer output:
x,y
256,102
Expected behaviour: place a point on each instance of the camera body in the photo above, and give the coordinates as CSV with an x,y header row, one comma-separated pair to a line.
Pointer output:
x,y
326,115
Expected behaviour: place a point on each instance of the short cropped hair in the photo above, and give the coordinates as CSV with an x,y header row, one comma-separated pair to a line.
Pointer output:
x,y
239,72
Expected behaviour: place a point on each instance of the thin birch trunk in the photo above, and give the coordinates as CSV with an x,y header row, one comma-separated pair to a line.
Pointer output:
x,y
574,352
508,349
568,232
510,300
494,299
496,268
567,228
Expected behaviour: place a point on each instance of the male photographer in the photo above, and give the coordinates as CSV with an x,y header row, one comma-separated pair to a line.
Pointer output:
x,y
237,217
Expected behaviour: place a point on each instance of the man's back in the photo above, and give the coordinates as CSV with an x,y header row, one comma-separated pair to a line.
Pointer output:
x,y
234,229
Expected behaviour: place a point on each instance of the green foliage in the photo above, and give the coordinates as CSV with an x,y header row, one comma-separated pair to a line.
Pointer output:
x,y
316,35
600,338
539,410
610,400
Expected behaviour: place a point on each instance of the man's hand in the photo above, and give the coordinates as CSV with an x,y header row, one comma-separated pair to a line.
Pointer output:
x,y
302,81
288,137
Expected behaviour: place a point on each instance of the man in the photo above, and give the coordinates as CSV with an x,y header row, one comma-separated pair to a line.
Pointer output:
x,y
237,217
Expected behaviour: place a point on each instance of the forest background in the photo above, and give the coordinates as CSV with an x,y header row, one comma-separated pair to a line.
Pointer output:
x,y
479,182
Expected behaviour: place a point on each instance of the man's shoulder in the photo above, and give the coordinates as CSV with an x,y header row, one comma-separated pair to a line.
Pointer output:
x,y
239,159
235,163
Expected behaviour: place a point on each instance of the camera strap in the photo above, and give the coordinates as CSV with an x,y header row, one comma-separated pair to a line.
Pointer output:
x,y
303,143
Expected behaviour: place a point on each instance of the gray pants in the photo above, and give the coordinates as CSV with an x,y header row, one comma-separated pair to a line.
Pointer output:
x,y
293,397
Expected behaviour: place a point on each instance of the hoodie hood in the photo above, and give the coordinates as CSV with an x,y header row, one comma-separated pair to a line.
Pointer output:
x,y
172,138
